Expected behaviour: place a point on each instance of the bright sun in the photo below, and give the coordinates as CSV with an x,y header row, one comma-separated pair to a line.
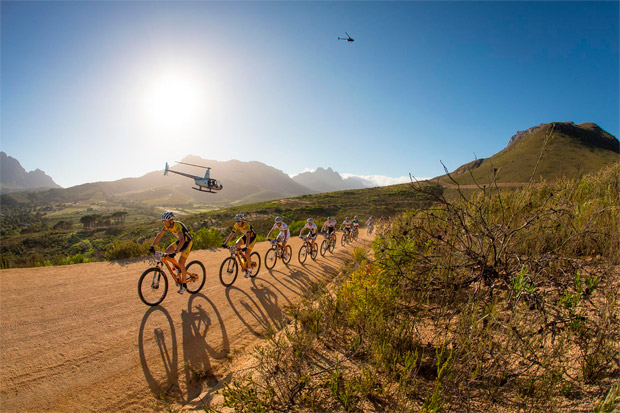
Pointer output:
x,y
174,102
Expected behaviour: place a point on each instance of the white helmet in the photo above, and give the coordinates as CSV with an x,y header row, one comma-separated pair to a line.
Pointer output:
x,y
310,220
278,219
346,217
238,217
355,217
167,215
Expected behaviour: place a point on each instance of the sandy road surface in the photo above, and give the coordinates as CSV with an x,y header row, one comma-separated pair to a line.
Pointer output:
x,y
78,338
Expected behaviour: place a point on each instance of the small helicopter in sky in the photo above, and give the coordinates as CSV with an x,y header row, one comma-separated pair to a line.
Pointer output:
x,y
348,38
206,184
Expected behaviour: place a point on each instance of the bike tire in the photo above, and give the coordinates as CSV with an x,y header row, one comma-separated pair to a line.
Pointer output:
x,y
324,247
228,271
197,268
255,256
315,251
289,251
355,236
150,294
343,240
369,232
271,257
332,246
302,254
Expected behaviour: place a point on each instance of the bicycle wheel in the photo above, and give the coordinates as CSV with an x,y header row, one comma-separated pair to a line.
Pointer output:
x,y
369,231
255,260
271,257
332,245
289,253
343,239
302,254
355,236
153,286
196,268
228,271
315,251
324,247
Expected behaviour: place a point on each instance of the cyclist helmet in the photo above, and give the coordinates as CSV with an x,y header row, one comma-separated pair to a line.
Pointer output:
x,y
278,219
167,215
355,217
238,217
310,220
346,218
330,217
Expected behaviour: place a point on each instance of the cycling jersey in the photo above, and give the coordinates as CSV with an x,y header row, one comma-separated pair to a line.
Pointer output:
x,y
284,234
347,223
245,228
331,223
248,233
311,227
179,229
356,223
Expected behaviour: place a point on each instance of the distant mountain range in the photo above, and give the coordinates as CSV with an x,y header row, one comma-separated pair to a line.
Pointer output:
x,y
548,150
328,180
244,182
13,177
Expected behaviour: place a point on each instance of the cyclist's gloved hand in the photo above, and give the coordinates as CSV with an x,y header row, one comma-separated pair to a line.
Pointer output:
x,y
224,245
172,254
152,250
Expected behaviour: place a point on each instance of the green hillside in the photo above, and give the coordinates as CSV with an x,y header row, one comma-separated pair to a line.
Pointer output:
x,y
50,235
549,151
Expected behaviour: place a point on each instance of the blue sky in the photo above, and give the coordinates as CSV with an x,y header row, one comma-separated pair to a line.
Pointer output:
x,y
97,91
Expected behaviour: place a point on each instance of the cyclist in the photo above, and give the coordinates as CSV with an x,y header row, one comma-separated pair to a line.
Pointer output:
x,y
370,222
183,245
356,224
347,224
248,238
330,227
313,230
283,236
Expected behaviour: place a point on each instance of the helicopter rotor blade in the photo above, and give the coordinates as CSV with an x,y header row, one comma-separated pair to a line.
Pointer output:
x,y
191,164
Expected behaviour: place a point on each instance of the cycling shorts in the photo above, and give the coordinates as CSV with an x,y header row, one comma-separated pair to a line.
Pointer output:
x,y
283,236
330,230
312,235
185,249
243,239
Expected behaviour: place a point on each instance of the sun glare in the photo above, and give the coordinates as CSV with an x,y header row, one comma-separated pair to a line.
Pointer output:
x,y
174,102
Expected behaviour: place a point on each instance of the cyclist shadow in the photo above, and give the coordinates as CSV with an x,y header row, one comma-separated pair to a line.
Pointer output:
x,y
251,308
157,345
197,353
269,300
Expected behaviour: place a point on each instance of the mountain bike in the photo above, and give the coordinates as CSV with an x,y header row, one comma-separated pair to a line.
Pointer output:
x,y
328,244
230,266
354,233
307,248
346,237
275,252
369,230
153,283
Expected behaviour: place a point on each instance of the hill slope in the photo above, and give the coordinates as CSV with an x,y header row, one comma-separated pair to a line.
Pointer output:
x,y
564,149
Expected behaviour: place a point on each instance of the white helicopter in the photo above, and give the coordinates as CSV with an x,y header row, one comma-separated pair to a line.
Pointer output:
x,y
207,182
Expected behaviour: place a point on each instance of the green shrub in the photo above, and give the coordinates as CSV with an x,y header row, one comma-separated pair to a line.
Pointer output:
x,y
126,249
207,238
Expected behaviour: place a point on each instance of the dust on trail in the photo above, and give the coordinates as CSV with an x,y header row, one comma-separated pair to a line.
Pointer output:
x,y
78,338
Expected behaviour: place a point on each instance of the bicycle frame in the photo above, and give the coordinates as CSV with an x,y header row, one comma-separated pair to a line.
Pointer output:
x,y
163,259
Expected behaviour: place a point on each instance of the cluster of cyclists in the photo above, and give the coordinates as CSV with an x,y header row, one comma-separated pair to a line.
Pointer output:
x,y
247,240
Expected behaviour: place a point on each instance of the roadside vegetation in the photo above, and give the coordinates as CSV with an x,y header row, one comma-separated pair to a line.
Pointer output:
x,y
507,299
57,234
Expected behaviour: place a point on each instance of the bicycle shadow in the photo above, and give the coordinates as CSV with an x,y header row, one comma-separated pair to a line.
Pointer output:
x,y
251,307
159,353
197,353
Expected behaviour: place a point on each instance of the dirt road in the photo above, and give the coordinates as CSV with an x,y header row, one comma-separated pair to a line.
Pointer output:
x,y
78,338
